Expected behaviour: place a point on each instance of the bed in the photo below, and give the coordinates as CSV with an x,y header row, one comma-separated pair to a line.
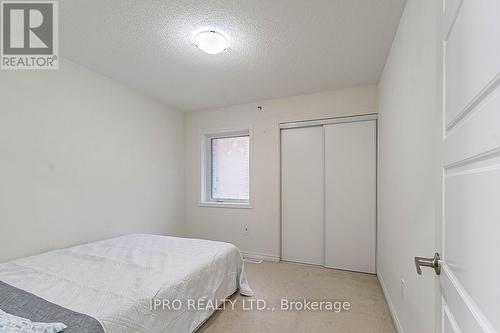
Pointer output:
x,y
134,283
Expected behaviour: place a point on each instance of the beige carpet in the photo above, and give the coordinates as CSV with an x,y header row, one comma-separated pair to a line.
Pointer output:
x,y
274,281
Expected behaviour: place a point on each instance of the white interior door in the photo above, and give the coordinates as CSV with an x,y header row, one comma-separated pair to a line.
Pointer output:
x,y
302,195
470,270
350,192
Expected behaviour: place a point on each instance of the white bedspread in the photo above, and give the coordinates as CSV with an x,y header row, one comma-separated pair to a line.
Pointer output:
x,y
115,280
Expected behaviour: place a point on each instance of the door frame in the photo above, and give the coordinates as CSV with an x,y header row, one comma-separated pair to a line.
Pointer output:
x,y
441,132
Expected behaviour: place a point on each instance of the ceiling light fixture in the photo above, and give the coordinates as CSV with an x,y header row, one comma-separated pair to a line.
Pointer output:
x,y
210,42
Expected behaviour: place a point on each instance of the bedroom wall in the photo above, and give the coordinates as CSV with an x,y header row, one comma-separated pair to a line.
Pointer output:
x,y
263,220
408,168
84,158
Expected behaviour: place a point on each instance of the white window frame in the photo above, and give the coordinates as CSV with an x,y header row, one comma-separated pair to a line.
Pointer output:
x,y
207,136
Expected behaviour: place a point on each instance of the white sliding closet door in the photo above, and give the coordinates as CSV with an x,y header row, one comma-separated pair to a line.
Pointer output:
x,y
302,181
350,192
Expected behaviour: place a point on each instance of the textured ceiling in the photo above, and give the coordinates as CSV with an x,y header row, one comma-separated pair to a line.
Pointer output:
x,y
277,47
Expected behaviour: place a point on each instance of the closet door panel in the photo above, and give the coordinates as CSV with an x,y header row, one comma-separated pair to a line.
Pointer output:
x,y
302,195
350,192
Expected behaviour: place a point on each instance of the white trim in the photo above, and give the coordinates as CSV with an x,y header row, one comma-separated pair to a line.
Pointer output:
x,y
321,122
390,305
225,204
259,256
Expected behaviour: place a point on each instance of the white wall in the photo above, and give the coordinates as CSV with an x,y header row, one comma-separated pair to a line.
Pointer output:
x,y
84,158
408,182
263,220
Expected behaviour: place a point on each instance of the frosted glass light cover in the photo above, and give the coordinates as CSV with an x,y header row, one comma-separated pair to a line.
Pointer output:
x,y
210,42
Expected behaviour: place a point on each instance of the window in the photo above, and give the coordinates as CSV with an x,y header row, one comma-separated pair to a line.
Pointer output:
x,y
226,168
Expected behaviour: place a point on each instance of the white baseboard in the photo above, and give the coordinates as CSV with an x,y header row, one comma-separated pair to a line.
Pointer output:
x,y
392,309
259,256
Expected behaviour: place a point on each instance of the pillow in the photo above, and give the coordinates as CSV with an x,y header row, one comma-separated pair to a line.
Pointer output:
x,y
14,324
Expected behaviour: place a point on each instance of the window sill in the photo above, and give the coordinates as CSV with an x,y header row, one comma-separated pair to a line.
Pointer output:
x,y
225,205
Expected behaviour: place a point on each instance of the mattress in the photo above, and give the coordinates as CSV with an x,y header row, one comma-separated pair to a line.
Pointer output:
x,y
135,283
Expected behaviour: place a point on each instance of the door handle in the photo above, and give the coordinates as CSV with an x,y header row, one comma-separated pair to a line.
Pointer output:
x,y
428,262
